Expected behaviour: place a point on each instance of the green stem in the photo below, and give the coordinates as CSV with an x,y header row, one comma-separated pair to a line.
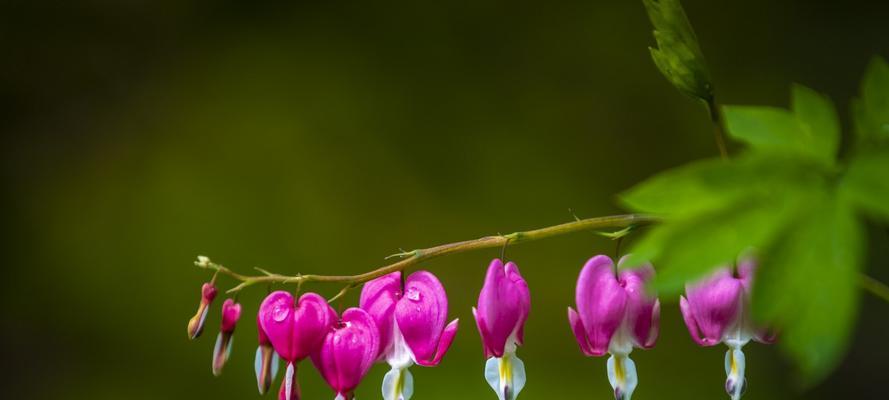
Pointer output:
x,y
414,257
718,128
874,286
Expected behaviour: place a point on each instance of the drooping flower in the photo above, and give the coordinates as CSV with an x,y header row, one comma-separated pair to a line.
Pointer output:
x,y
614,315
716,311
266,362
196,323
348,352
412,326
503,306
231,312
295,330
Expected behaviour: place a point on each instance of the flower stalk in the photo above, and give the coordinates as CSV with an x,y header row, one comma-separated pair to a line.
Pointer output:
x,y
414,257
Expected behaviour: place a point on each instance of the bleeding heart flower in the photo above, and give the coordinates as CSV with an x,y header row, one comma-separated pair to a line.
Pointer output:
x,y
231,312
295,330
503,306
614,315
411,323
196,323
266,362
715,311
348,352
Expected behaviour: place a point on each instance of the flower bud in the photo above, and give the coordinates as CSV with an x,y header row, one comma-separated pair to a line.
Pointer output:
x,y
231,312
196,323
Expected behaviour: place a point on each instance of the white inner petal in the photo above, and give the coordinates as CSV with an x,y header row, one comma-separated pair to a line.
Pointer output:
x,y
622,376
735,365
506,376
288,381
400,356
398,384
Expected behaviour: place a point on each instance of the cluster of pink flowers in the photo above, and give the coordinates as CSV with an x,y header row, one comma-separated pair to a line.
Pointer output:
x,y
403,321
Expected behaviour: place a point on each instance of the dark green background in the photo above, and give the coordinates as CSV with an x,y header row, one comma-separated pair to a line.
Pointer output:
x,y
319,137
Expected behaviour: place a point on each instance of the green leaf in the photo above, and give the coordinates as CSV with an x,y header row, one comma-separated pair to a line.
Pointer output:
x,y
866,183
712,184
818,119
685,250
763,127
806,286
685,189
811,128
678,55
870,111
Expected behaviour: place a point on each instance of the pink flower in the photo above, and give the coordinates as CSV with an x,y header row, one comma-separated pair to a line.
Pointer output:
x,y
196,323
614,315
348,352
231,312
503,306
715,311
411,323
295,329
266,362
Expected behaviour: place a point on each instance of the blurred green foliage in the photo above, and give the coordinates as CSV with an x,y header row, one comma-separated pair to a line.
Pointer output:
x,y
786,200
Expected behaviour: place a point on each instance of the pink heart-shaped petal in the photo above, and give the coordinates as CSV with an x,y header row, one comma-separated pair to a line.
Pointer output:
x,y
348,351
295,330
421,314
378,298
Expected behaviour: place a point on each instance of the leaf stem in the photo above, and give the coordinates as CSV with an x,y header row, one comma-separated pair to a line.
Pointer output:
x,y
874,286
718,127
414,257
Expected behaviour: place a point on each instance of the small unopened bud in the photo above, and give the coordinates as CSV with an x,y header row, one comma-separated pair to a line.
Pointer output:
x,y
196,323
231,312
203,261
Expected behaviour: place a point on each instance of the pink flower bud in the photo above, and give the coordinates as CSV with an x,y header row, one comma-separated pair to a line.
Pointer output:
x,y
196,323
348,352
231,312
503,306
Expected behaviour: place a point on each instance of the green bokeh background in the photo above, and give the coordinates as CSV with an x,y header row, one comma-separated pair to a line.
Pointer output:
x,y
319,137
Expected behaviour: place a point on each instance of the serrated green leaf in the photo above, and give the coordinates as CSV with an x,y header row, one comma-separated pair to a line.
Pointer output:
x,y
711,184
685,250
806,286
678,55
811,128
866,182
870,111
818,119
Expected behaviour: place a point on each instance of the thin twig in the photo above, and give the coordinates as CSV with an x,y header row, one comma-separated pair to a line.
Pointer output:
x,y
414,257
